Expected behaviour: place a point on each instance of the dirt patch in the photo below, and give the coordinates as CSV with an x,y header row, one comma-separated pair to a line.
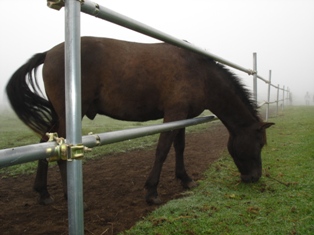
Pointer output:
x,y
113,189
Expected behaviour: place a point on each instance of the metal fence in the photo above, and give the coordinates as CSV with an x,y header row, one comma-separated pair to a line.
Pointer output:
x,y
283,99
73,104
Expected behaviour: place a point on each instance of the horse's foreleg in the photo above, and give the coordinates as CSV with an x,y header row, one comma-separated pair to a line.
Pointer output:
x,y
163,147
179,145
40,184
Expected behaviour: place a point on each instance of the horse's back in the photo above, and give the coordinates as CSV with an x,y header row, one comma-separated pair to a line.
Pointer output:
x,y
129,81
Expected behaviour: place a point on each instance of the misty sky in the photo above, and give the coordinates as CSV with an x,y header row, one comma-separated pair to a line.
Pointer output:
x,y
281,32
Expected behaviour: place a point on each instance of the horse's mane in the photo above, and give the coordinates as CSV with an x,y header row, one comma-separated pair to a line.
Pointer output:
x,y
241,90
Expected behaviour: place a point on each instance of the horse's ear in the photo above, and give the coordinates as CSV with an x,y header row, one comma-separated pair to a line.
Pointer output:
x,y
265,125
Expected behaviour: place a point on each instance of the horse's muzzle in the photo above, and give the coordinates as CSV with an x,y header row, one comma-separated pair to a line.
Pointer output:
x,y
250,178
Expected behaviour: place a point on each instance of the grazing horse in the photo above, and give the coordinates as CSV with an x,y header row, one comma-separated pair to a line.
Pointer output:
x,y
139,82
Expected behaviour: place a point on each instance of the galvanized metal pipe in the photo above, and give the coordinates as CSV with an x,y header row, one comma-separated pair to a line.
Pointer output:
x,y
288,95
23,154
263,79
116,136
101,12
278,99
73,115
268,96
255,76
29,153
283,97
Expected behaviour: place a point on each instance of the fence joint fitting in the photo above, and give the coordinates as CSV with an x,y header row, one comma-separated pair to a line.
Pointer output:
x,y
55,4
97,138
97,10
76,152
60,151
251,72
64,151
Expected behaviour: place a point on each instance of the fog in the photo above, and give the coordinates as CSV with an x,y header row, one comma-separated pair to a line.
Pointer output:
x,y
281,32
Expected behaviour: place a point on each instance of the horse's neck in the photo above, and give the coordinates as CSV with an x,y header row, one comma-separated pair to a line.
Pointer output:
x,y
232,111
236,122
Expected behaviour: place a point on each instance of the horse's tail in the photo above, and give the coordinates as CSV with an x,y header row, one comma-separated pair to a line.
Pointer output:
x,y
27,99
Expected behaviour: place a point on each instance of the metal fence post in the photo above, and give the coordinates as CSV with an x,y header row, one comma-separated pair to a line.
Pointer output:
x,y
278,88
288,96
268,96
283,98
73,115
255,76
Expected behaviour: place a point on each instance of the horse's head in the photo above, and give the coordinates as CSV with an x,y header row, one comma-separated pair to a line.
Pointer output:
x,y
245,148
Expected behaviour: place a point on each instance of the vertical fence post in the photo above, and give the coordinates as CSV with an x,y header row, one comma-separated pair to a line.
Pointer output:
x,y
268,96
288,96
73,115
278,89
255,77
283,97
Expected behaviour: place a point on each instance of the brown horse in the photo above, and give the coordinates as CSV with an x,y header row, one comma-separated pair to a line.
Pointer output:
x,y
140,82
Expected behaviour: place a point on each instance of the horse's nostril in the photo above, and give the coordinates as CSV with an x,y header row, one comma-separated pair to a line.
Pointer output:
x,y
249,178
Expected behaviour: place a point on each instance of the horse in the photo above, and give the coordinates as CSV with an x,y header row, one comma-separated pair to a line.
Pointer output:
x,y
138,82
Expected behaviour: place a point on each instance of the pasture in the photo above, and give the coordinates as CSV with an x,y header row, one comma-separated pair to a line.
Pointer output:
x,y
280,203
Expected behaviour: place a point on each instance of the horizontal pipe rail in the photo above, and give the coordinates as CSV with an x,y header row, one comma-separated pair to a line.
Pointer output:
x,y
101,12
261,104
271,102
263,79
117,136
104,13
23,154
94,9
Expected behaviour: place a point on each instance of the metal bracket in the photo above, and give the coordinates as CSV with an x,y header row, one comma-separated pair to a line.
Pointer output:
x,y
58,4
97,10
97,138
55,4
64,151
76,152
60,151
251,72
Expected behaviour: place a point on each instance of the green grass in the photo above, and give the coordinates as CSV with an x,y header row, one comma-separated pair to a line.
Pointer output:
x,y
282,202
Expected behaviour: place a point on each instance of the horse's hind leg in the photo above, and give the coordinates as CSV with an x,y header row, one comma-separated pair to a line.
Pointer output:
x,y
179,145
40,184
63,171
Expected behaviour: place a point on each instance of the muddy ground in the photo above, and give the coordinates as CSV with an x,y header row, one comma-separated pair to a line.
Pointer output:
x,y
113,189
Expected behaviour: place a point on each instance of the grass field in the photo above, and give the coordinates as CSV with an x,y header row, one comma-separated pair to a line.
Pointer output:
x,y
282,202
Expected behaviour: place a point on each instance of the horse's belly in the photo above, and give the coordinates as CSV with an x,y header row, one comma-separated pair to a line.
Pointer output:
x,y
139,116
130,110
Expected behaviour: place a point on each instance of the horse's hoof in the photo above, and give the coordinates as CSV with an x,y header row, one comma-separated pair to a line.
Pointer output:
x,y
45,201
153,201
189,185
